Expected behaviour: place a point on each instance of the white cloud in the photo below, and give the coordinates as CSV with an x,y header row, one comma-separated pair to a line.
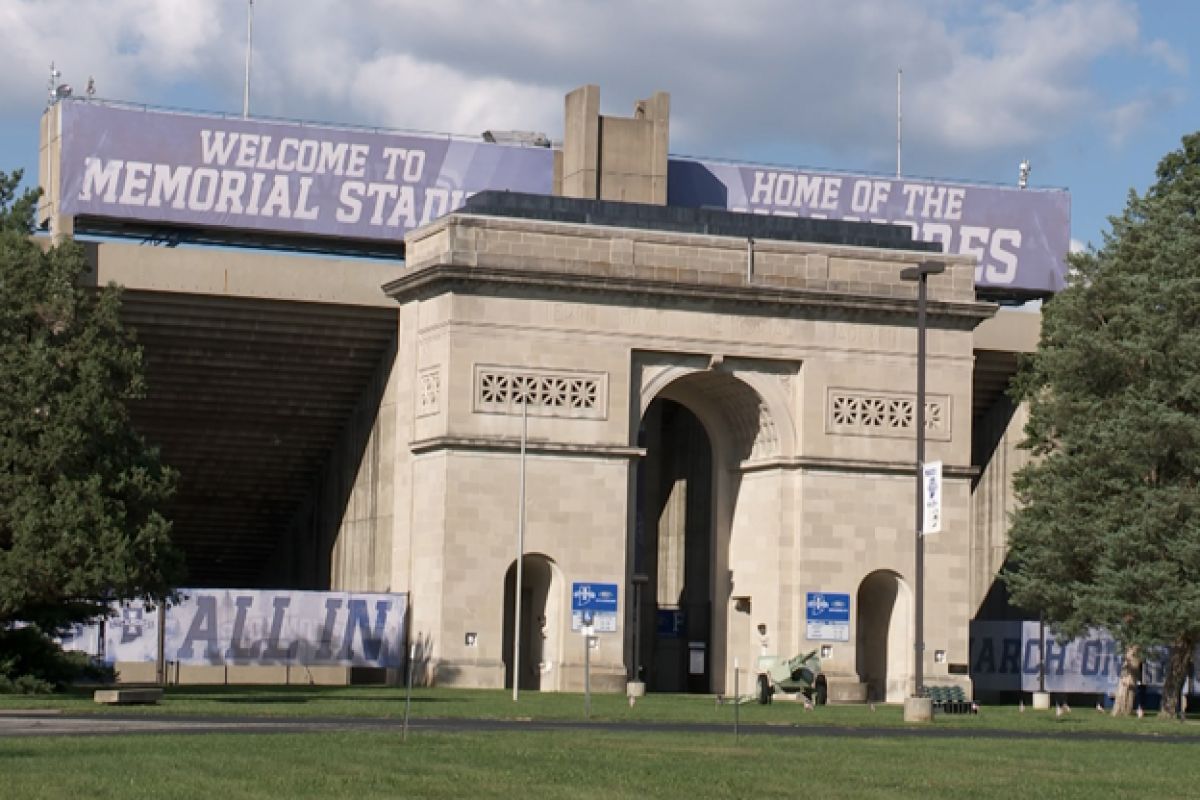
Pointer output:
x,y
1121,122
132,47
1162,51
1025,77
769,76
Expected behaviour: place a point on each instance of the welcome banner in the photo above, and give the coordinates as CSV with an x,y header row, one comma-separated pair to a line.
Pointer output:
x,y
130,163
133,163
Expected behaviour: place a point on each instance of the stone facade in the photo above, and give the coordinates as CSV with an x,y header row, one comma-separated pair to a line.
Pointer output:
x,y
799,362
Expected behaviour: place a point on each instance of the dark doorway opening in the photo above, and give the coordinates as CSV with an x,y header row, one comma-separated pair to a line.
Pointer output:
x,y
672,547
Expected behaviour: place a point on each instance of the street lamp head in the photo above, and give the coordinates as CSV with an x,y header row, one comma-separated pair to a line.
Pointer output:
x,y
921,270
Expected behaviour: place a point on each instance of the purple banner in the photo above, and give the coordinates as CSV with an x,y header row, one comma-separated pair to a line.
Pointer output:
x,y
1019,237
1007,656
158,166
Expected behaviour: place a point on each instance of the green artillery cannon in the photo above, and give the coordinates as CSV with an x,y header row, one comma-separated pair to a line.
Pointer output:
x,y
793,677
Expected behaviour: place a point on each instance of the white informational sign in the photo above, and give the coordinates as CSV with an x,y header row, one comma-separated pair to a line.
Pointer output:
x,y
601,622
931,493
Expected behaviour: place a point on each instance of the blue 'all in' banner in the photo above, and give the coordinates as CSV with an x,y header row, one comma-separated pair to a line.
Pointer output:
x,y
254,627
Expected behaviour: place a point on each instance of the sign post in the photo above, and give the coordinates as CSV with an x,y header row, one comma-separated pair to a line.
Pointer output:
x,y
412,657
589,641
737,699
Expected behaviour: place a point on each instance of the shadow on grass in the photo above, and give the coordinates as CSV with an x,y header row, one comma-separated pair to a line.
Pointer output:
x,y
264,700
252,699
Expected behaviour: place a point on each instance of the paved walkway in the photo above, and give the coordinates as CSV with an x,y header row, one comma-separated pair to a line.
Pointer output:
x,y
30,723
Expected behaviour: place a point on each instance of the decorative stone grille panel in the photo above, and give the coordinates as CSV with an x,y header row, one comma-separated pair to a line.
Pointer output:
x,y
548,393
886,414
766,443
429,391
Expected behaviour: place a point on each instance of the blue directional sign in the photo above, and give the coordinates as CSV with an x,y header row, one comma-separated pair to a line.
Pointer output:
x,y
828,616
594,605
594,597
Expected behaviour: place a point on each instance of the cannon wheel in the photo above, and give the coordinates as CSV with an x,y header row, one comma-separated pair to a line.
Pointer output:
x,y
764,690
821,691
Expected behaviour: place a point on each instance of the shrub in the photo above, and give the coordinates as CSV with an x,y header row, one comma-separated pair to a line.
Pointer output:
x,y
32,663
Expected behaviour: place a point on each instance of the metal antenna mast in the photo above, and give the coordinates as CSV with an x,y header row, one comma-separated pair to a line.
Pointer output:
x,y
249,49
899,116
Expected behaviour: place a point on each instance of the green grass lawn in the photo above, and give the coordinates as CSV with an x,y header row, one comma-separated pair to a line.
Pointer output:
x,y
589,763
584,764
317,701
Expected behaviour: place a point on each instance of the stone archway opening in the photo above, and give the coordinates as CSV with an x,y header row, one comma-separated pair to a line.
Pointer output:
x,y
884,643
541,610
698,429
674,549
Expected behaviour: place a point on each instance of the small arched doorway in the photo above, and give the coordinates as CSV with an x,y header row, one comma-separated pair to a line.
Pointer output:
x,y
884,646
541,621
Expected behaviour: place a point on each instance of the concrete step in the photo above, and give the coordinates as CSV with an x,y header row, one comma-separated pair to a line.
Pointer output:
x,y
128,696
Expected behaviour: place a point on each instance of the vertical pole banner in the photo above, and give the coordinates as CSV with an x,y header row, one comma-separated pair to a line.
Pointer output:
x,y
931,496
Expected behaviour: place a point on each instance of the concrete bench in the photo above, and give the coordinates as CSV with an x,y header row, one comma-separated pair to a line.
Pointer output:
x,y
128,696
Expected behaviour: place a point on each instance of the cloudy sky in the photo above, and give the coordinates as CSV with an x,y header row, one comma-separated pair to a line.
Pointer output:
x,y
1092,92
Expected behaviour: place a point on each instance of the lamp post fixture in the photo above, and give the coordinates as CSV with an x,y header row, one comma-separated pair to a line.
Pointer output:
x,y
920,274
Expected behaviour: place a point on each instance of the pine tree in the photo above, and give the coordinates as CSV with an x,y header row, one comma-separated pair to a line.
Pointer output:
x,y
1109,529
80,491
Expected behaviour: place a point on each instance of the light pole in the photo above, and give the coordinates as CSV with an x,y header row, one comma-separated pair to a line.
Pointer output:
x,y
920,274
519,577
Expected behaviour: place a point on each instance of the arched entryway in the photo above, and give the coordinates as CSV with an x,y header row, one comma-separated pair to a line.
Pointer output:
x,y
698,428
673,549
541,620
884,642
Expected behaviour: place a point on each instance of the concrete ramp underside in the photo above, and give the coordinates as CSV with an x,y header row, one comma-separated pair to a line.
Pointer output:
x,y
246,398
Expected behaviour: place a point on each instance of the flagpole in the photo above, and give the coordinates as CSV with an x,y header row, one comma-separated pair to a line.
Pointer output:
x,y
899,116
249,49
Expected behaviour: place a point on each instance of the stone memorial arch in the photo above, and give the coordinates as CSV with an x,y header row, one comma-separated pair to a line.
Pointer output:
x,y
717,423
